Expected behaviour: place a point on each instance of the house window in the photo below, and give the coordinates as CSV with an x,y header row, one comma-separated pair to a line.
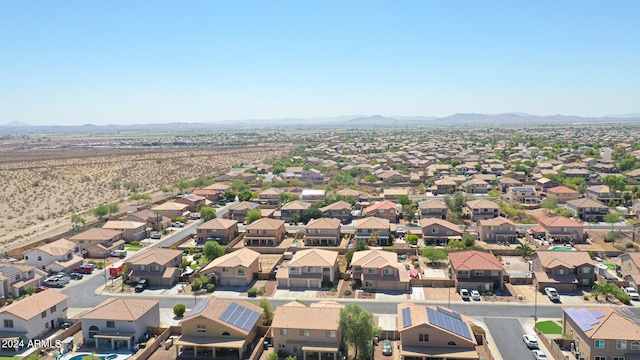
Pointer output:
x,y
600,358
155,268
226,334
26,258
560,272
434,230
305,333
358,268
388,271
283,332
311,269
621,345
111,324
635,345
451,343
586,270
241,271
8,323
17,277
201,328
39,258
423,337
372,271
43,314
464,273
141,267
479,273
599,344
618,358
46,325
53,309
331,333
225,270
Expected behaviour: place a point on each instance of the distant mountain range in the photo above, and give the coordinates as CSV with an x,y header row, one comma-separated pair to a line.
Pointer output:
x,y
338,122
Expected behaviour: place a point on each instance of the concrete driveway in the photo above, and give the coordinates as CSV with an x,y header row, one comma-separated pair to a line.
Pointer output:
x,y
392,296
417,293
295,294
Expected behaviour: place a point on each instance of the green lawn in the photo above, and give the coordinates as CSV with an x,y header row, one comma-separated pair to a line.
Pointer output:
x,y
549,327
10,357
611,266
132,247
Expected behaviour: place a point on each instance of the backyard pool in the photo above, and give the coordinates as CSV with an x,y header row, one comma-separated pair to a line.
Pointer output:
x,y
562,248
102,357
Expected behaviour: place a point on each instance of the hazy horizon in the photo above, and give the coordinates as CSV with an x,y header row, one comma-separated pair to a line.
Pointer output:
x,y
157,62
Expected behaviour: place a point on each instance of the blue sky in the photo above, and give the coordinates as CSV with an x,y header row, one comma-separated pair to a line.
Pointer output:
x,y
124,62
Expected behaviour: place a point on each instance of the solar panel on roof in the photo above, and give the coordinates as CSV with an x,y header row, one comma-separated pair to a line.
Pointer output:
x,y
449,312
597,313
200,306
240,316
406,317
449,321
227,313
10,270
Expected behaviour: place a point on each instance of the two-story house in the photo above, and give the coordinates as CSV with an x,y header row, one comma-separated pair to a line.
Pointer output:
x,y
265,232
155,221
378,270
543,184
171,209
438,232
293,210
311,195
385,210
630,268
322,232
209,194
433,332
159,266
238,212
563,270
270,197
338,210
588,209
311,175
602,193
393,194
507,182
221,230
374,230
193,201
445,186
476,270
313,269
60,255
119,323
312,332
219,328
563,194
433,209
496,229
475,186
15,279
526,195
98,243
481,209
602,333
237,268
131,230
32,317
560,229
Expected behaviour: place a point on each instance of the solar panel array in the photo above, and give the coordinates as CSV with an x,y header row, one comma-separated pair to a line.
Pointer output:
x,y
406,317
200,306
584,318
449,321
449,312
9,270
630,315
240,316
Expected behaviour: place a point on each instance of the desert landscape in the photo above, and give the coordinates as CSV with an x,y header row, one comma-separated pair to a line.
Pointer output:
x,y
44,186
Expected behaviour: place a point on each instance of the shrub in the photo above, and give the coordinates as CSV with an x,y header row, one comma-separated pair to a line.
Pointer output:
x,y
253,292
179,310
412,239
165,232
210,288
272,356
628,245
586,297
611,236
135,243
347,292
261,291
197,256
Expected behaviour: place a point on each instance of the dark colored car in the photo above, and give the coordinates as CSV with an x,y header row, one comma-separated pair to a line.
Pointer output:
x,y
76,276
142,284
386,348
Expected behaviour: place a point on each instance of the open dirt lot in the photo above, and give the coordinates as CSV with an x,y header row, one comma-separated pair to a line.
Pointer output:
x,y
43,187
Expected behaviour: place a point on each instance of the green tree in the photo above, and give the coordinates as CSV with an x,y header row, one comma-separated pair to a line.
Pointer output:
x,y
433,254
113,208
286,197
370,178
253,215
359,329
525,249
213,250
101,211
182,185
615,183
30,289
138,197
361,244
611,218
455,203
310,213
179,310
76,220
408,213
412,239
239,186
199,282
207,213
229,196
272,356
549,203
166,190
404,200
468,240
606,289
245,195
268,310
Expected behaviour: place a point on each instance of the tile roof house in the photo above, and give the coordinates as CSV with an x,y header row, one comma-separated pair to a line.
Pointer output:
x,y
339,210
322,232
238,212
375,230
265,232
379,270
311,175
209,194
237,268
433,209
221,230
32,317
445,186
155,222
526,195
313,269
313,194
433,332
293,209
507,182
131,230
171,209
476,270
159,266
218,187
560,228
498,229
602,332
588,209
58,256
15,279
481,209
563,194
603,193
385,210
438,232
393,194
563,270
97,242
475,186
630,268
193,201
308,332
270,196
543,184
119,323
219,328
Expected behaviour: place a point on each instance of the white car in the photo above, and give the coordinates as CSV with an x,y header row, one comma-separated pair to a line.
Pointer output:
x,y
464,293
552,293
539,355
530,341
475,295
177,224
633,294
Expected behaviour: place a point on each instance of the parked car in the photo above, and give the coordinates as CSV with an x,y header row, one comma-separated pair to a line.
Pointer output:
x,y
41,288
194,216
539,355
55,282
76,276
156,236
142,284
530,341
187,271
464,293
386,348
65,325
475,295
177,224
62,276
552,293
119,253
84,269
633,294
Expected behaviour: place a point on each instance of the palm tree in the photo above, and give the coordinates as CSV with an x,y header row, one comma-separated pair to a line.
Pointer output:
x,y
605,289
525,249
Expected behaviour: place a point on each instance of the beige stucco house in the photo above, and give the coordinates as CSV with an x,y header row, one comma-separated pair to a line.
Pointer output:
x,y
236,268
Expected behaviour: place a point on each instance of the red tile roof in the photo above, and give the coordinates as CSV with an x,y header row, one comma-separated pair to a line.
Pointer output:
x,y
474,260
560,221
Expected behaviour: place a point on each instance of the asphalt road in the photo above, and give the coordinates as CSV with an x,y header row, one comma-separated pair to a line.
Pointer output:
x,y
507,335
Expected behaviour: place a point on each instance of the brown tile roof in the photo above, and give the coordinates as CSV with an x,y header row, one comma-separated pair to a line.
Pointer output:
x,y
340,205
420,316
244,205
372,223
561,190
395,191
349,192
314,257
123,225
560,221
217,224
444,223
271,191
296,205
633,256
96,234
474,260
58,247
124,309
570,259
445,182
383,205
265,223
482,204
374,259
170,205
218,186
610,323
156,255
497,221
308,318
586,203
214,308
243,257
34,305
434,204
323,223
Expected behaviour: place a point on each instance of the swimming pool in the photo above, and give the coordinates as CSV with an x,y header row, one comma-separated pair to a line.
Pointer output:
x,y
562,248
103,357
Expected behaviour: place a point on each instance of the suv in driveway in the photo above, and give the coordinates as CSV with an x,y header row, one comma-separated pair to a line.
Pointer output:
x,y
530,341
633,294
142,284
464,293
552,293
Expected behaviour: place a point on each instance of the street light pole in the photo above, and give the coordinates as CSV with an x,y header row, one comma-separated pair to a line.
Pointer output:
x,y
535,307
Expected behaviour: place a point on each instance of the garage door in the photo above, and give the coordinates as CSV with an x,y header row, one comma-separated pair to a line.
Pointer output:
x,y
298,283
237,282
314,284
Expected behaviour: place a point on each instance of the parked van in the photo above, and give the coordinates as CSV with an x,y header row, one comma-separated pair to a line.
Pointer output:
x,y
119,253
